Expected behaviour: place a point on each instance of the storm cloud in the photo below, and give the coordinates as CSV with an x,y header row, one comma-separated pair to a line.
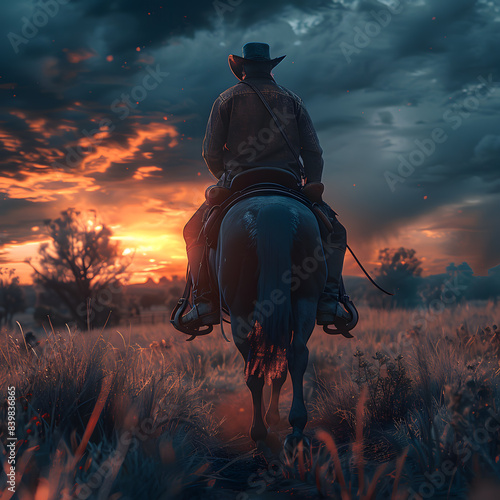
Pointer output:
x,y
106,103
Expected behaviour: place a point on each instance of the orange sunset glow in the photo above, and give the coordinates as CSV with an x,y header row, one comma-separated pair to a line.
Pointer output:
x,y
333,167
147,217
150,230
119,129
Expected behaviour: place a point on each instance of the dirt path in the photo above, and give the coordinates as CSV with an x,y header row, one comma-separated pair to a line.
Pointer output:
x,y
236,410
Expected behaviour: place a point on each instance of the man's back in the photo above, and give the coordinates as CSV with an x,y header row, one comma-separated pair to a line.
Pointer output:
x,y
241,132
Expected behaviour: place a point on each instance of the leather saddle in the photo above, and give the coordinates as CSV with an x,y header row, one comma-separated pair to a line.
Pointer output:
x,y
259,181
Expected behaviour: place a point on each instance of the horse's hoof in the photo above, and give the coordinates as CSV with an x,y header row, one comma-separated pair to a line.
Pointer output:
x,y
262,448
292,443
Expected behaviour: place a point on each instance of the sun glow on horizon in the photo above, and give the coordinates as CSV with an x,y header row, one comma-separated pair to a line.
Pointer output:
x,y
154,256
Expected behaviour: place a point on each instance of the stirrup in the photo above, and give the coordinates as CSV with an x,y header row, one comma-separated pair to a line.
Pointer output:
x,y
176,320
343,326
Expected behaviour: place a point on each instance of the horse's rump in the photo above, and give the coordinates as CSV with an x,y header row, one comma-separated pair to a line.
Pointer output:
x,y
260,240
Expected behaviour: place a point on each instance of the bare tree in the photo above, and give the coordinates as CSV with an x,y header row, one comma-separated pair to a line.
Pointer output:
x,y
82,266
11,296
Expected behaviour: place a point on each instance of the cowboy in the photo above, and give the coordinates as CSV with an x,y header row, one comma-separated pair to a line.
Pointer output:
x,y
240,135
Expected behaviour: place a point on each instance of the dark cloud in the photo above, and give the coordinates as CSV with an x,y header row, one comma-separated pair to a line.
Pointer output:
x,y
376,76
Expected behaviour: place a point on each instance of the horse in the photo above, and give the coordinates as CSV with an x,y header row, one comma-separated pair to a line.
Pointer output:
x,y
270,268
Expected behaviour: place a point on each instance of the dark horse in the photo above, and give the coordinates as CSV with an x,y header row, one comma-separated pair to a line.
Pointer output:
x,y
271,271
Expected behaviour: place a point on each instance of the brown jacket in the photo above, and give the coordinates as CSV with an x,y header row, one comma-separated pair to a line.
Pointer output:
x,y
242,134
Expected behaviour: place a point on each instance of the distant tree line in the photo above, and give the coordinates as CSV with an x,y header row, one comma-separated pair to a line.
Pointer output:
x,y
82,276
12,298
400,272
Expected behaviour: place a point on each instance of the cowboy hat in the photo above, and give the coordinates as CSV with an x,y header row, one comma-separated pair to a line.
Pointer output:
x,y
252,52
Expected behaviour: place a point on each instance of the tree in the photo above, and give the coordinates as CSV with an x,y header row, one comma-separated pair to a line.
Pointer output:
x,y
399,270
11,296
82,266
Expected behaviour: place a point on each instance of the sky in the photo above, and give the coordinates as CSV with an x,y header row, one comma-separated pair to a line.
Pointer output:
x,y
104,106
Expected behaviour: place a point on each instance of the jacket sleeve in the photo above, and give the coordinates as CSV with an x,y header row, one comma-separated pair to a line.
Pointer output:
x,y
215,138
310,150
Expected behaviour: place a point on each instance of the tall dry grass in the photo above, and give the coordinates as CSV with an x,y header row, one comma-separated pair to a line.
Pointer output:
x,y
94,419
139,413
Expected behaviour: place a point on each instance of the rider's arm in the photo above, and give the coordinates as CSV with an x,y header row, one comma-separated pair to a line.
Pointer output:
x,y
215,138
310,150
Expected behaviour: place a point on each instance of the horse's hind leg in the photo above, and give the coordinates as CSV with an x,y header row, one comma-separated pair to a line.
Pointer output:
x,y
258,431
255,383
298,356
297,364
272,414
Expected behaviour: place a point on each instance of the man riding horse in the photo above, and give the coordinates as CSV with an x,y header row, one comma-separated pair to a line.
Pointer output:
x,y
240,135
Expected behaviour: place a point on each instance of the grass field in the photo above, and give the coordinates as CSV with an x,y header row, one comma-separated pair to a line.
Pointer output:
x,y
408,409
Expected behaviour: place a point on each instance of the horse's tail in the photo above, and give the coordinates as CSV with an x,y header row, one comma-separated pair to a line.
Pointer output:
x,y
273,310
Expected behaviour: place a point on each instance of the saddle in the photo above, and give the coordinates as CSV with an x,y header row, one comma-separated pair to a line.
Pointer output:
x,y
259,181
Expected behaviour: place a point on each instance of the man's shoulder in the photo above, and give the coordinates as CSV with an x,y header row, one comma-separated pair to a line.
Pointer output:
x,y
241,88
231,91
293,95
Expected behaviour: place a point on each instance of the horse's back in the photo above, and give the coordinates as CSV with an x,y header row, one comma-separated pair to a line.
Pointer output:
x,y
237,260
240,220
